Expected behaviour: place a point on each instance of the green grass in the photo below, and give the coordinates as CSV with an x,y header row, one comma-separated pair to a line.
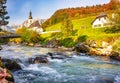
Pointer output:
x,y
45,35
78,23
84,28
83,23
54,27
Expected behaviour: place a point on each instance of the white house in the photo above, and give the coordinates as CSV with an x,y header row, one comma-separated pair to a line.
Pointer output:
x,y
100,21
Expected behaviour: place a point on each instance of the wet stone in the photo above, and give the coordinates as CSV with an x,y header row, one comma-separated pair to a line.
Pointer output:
x,y
38,59
11,64
57,55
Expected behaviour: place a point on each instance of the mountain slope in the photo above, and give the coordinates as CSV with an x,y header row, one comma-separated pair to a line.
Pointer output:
x,y
80,12
77,24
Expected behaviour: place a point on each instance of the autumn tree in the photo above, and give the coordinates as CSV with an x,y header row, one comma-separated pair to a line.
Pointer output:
x,y
79,12
28,36
115,20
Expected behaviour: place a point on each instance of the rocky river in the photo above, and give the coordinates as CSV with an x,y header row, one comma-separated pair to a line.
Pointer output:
x,y
60,67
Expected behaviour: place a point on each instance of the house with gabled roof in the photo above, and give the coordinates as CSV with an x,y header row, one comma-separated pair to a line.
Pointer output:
x,y
101,21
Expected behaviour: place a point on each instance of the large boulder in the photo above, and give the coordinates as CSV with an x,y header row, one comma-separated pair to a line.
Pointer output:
x,y
53,43
81,48
5,74
115,55
96,52
11,64
38,59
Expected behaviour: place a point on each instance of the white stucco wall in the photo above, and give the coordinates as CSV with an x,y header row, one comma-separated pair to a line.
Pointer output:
x,y
39,30
99,22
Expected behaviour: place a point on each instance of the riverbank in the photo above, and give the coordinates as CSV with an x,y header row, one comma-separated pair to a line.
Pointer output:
x,y
90,48
93,50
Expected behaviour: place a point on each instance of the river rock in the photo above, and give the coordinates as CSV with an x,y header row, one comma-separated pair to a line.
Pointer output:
x,y
53,43
81,48
91,43
96,52
11,65
38,59
115,55
57,55
5,74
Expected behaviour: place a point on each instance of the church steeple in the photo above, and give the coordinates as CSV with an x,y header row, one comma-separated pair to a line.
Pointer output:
x,y
30,15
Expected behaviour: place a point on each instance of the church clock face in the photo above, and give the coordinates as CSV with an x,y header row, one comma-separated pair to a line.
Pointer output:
x,y
30,21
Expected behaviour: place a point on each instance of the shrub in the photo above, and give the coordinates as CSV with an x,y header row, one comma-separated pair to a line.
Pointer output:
x,y
67,42
67,28
113,29
82,38
116,46
56,35
28,36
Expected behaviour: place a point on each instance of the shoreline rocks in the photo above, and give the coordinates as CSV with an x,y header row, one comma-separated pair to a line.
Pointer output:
x,y
104,50
82,48
5,74
54,43
11,64
115,55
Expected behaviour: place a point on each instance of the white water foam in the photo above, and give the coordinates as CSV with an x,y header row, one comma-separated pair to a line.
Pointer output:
x,y
44,69
55,60
117,79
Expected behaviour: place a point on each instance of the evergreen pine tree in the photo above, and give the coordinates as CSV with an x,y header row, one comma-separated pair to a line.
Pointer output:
x,y
67,28
3,13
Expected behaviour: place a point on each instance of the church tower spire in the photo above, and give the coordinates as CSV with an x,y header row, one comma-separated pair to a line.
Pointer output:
x,y
30,15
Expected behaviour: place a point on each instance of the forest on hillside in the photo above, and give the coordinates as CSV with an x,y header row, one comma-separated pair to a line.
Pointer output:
x,y
79,12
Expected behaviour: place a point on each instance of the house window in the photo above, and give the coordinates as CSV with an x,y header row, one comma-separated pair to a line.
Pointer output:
x,y
99,25
99,19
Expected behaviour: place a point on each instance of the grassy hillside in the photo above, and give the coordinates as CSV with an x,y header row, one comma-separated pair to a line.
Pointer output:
x,y
54,27
83,23
85,32
77,24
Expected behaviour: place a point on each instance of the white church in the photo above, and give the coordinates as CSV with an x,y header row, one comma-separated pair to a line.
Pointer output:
x,y
33,24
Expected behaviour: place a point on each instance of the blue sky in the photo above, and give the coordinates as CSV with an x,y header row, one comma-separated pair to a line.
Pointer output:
x,y
18,10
